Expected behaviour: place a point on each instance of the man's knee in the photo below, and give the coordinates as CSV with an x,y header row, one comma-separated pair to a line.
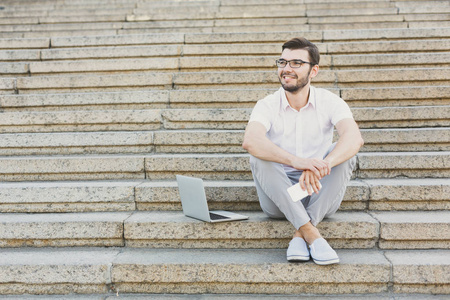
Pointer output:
x,y
273,214
258,163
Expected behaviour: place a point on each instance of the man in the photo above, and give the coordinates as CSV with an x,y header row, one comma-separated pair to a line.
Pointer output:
x,y
289,137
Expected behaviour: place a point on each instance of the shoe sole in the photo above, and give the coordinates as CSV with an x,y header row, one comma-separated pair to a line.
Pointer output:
x,y
294,258
326,262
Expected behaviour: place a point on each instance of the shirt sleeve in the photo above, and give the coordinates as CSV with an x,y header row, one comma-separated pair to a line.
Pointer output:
x,y
262,113
340,111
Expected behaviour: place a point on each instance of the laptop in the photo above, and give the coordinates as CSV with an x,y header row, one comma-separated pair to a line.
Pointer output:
x,y
194,203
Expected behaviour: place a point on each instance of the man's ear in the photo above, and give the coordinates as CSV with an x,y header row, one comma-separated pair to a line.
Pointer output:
x,y
314,71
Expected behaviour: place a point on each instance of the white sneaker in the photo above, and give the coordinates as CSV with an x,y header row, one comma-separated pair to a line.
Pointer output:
x,y
322,253
297,250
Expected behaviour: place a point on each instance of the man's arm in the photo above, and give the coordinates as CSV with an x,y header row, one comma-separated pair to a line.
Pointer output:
x,y
258,145
348,144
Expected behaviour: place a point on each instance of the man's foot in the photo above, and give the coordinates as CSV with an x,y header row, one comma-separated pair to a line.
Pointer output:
x,y
322,253
297,250
308,232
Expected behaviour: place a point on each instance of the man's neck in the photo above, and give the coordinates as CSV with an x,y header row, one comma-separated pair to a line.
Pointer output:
x,y
299,99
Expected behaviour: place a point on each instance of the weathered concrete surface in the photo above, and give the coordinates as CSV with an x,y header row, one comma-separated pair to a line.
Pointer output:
x,y
174,230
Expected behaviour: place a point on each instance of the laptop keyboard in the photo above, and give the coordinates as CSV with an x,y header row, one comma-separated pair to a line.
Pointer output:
x,y
214,216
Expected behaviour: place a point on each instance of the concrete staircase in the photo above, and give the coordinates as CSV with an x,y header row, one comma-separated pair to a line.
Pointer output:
x,y
103,102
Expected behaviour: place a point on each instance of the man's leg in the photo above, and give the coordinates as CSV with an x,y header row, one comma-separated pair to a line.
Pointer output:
x,y
330,197
324,204
271,184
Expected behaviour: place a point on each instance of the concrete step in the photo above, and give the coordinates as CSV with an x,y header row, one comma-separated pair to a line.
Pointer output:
x,y
373,194
90,101
143,15
113,295
353,47
425,24
430,230
324,36
111,52
363,25
143,38
61,33
38,43
219,63
219,119
343,230
403,164
261,23
180,119
222,98
397,96
210,119
427,194
63,230
236,166
61,197
408,194
158,230
196,141
104,66
335,62
75,12
148,119
417,8
62,27
79,143
230,195
85,271
392,37
409,117
83,83
425,18
123,50
226,141
216,10
363,19
325,78
118,40
421,139
210,23
207,166
94,167
392,230
162,230
256,12
367,117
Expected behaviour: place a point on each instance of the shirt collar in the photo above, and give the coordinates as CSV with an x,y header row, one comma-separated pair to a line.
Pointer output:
x,y
311,100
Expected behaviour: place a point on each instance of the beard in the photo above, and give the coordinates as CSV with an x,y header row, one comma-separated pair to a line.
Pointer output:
x,y
297,86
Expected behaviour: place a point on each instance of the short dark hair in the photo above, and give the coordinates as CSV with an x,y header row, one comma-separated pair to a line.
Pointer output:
x,y
302,43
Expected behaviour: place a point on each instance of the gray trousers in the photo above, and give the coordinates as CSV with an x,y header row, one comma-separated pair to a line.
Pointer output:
x,y
272,182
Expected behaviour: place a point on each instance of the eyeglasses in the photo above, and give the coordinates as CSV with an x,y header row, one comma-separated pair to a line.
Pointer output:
x,y
295,63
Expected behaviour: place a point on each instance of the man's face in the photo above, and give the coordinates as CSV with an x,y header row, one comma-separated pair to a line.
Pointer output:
x,y
294,79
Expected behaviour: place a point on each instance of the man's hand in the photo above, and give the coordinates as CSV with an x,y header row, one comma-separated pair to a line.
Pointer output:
x,y
318,167
309,182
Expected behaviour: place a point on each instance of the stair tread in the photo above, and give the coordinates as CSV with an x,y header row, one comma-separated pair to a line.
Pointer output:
x,y
270,265
160,229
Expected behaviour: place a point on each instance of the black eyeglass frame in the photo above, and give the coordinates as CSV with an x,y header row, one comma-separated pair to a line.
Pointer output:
x,y
278,61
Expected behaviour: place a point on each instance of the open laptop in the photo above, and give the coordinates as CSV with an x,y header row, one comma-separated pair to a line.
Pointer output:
x,y
193,200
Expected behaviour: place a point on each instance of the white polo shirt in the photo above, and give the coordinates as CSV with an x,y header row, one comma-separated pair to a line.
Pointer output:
x,y
307,133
